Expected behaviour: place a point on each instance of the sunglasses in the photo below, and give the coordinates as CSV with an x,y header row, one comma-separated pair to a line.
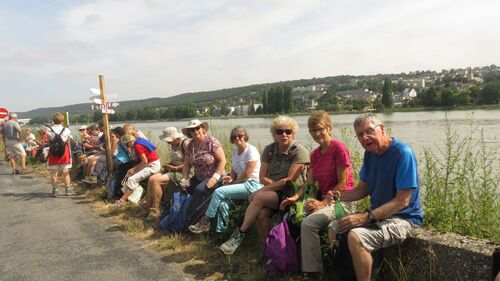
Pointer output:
x,y
240,136
281,131
194,129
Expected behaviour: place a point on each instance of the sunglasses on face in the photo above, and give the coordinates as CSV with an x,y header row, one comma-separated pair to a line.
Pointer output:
x,y
281,131
240,136
194,129
316,130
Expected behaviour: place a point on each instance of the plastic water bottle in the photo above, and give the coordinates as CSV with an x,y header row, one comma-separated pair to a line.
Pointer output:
x,y
339,209
339,213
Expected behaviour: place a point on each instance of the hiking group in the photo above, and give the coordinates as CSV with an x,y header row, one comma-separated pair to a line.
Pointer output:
x,y
192,191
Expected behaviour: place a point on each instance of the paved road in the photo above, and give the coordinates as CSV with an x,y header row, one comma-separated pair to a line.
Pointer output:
x,y
45,238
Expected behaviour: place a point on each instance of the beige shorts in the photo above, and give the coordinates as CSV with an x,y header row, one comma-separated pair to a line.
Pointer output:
x,y
392,230
14,148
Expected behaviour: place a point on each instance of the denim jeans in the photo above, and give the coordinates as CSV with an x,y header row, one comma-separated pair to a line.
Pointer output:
x,y
219,204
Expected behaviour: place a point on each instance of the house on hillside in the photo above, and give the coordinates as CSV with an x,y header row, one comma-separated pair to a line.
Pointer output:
x,y
404,96
308,99
311,88
364,94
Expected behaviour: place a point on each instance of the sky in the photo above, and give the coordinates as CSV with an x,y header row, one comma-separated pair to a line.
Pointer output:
x,y
52,51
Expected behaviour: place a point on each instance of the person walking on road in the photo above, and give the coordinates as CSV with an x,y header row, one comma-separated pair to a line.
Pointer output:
x,y
59,163
11,132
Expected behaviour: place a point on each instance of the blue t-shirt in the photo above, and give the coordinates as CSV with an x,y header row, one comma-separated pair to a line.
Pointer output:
x,y
395,170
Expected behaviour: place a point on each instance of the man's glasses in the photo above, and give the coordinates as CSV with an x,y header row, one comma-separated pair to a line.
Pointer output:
x,y
315,130
194,129
281,131
369,132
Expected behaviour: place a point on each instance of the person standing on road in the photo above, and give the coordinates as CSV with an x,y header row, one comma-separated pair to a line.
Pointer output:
x,y
11,132
59,163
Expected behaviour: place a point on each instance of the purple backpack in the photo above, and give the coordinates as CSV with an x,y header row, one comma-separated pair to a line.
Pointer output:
x,y
281,250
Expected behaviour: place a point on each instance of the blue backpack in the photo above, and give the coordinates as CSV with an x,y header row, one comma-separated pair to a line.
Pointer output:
x,y
175,221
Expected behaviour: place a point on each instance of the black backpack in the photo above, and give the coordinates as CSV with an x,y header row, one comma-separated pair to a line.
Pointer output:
x,y
57,145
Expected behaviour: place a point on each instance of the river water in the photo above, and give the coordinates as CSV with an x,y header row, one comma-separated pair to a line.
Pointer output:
x,y
418,129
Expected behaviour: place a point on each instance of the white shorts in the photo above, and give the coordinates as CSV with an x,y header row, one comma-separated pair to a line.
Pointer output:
x,y
151,168
392,230
14,147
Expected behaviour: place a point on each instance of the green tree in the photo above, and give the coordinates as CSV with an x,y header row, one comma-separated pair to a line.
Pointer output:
x,y
491,93
447,97
429,97
264,103
97,116
287,99
39,120
131,115
387,96
278,102
271,95
224,110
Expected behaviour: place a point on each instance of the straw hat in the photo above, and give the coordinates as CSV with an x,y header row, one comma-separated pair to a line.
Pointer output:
x,y
170,134
193,124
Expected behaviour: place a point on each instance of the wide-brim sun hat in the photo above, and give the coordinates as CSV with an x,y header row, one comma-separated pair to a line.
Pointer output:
x,y
193,124
170,134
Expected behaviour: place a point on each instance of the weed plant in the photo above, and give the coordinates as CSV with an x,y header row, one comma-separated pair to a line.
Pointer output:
x,y
460,184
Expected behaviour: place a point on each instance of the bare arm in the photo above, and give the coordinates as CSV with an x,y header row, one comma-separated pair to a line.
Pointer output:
x,y
399,202
141,165
221,159
293,174
250,167
186,168
264,168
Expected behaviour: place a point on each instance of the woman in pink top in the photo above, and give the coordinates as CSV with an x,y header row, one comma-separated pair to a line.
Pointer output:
x,y
331,167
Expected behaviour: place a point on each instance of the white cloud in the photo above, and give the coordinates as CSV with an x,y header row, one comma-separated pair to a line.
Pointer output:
x,y
159,48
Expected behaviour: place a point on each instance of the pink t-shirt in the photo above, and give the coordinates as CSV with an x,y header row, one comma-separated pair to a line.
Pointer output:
x,y
325,166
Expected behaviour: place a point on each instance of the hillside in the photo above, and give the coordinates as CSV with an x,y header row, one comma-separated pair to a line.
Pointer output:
x,y
196,98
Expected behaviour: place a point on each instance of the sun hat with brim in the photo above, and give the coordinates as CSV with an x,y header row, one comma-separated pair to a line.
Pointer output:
x,y
83,127
170,134
193,124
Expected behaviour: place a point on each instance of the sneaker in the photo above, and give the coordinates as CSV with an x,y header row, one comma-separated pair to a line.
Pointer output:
x,y
230,246
201,226
154,215
69,191
54,192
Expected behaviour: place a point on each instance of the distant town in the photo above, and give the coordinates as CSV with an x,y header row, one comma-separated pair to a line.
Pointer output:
x,y
419,89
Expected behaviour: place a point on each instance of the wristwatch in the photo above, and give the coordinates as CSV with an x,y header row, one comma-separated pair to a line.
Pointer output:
x,y
371,216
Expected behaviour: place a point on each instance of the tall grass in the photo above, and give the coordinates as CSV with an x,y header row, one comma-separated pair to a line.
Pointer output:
x,y
460,184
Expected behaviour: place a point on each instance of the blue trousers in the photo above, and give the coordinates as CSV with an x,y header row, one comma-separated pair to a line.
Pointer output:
x,y
219,204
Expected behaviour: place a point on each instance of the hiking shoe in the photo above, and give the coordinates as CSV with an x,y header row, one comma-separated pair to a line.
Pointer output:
x,y
201,226
90,180
69,191
154,215
230,246
118,204
312,276
54,192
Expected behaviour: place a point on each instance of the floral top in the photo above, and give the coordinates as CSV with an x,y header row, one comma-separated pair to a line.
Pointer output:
x,y
202,157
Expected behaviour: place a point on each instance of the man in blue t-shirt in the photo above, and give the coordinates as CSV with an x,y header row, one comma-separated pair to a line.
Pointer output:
x,y
390,176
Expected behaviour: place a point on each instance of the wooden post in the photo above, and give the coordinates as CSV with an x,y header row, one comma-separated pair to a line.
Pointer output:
x,y
107,138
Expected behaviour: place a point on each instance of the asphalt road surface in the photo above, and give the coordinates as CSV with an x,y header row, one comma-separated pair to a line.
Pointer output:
x,y
46,238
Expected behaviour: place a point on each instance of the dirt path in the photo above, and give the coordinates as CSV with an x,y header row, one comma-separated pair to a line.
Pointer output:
x,y
46,238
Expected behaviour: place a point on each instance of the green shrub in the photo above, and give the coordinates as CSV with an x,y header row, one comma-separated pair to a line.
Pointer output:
x,y
459,184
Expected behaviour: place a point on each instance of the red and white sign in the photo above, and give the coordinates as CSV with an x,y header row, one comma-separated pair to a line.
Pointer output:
x,y
3,113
